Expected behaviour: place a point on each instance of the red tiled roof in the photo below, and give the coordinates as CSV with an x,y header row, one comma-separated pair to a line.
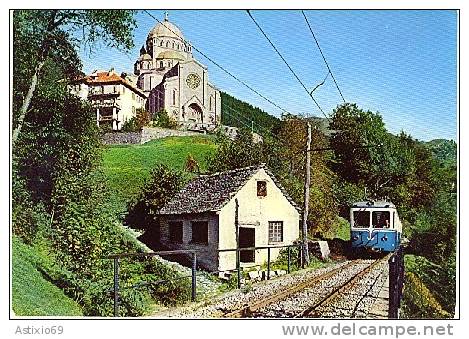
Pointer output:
x,y
109,77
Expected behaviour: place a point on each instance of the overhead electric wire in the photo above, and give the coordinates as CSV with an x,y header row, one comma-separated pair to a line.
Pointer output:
x,y
221,67
288,65
322,83
265,129
324,58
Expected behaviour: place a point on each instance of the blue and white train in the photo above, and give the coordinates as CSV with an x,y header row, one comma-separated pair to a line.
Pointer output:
x,y
375,225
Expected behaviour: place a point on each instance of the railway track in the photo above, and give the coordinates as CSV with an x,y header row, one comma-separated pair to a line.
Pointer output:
x,y
339,292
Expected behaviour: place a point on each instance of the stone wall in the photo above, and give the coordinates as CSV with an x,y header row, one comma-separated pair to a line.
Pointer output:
x,y
151,133
122,138
145,135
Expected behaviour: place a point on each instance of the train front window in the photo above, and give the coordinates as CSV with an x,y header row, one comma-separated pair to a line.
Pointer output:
x,y
361,219
381,219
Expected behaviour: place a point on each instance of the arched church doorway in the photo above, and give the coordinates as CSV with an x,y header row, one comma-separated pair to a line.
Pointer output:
x,y
195,113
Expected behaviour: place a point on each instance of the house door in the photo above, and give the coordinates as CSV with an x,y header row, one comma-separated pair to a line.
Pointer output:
x,y
247,238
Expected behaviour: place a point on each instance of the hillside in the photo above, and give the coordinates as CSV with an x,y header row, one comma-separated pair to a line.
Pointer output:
x,y
128,166
237,113
443,149
33,294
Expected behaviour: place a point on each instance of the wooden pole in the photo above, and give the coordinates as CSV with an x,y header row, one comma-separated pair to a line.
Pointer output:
x,y
304,231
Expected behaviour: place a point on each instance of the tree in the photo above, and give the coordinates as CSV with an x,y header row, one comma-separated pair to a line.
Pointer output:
x,y
159,189
54,35
366,154
238,153
163,120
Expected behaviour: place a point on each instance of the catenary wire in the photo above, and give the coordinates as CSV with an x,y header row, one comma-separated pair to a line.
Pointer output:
x,y
323,56
288,65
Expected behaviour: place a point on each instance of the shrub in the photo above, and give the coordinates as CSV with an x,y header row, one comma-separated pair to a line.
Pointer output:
x,y
161,186
418,301
136,123
191,165
162,119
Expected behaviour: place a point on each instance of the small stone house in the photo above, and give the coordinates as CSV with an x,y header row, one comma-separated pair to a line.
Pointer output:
x,y
202,217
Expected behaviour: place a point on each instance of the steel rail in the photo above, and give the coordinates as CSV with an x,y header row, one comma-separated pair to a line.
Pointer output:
x,y
330,297
248,309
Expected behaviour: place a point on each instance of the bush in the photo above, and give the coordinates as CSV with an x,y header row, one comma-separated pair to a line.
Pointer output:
x,y
162,119
136,123
158,190
130,125
418,301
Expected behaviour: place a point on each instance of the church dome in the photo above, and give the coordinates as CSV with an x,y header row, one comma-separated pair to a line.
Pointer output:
x,y
166,29
170,55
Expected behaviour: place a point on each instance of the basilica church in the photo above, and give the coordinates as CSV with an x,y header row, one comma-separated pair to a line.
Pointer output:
x,y
174,81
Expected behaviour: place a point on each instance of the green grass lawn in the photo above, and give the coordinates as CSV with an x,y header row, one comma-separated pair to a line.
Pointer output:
x,y
128,166
32,294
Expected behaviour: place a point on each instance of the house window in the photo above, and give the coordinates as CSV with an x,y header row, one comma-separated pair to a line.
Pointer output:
x,y
200,232
261,188
102,89
161,43
275,232
175,231
161,64
174,97
133,96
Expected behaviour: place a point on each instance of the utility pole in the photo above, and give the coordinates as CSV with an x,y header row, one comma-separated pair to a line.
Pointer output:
x,y
304,232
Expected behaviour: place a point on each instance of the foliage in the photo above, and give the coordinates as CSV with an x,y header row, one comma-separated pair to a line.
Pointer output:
x,y
136,123
237,113
130,125
159,189
162,119
53,36
365,153
444,150
419,302
339,229
191,165
440,279
59,195
241,152
295,262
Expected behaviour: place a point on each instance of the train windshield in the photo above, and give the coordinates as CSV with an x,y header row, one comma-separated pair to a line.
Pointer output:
x,y
381,219
361,219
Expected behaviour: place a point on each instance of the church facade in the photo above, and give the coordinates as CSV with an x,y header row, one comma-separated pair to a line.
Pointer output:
x,y
174,81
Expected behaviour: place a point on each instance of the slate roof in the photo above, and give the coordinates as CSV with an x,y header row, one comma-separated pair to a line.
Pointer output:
x,y
209,193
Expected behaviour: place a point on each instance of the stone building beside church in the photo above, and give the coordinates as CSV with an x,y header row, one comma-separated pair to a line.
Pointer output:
x,y
174,81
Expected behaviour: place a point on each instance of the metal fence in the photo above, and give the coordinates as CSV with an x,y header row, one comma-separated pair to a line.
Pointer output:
x,y
193,276
396,282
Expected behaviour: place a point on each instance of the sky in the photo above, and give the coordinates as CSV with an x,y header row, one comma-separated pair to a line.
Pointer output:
x,y
400,63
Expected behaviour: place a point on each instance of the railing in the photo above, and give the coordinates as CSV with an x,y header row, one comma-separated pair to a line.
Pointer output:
x,y
396,282
193,276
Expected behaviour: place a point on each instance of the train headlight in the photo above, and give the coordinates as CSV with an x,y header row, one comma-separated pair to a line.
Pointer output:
x,y
385,238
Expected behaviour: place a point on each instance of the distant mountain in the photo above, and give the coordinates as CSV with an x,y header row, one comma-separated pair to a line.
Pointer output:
x,y
443,149
237,113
